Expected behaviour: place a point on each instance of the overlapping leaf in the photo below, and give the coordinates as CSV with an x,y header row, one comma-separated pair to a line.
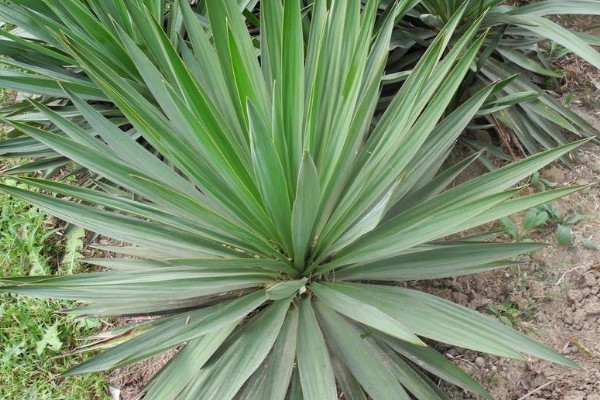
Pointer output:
x,y
254,179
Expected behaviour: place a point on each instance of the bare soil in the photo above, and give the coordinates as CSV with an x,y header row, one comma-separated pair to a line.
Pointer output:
x,y
556,293
126,383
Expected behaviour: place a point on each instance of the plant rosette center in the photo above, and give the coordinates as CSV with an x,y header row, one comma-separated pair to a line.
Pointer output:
x,y
282,290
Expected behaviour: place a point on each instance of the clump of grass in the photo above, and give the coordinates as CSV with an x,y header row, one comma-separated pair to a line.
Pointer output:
x,y
30,335
29,339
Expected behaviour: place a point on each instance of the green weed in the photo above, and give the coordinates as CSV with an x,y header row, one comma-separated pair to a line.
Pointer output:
x,y
30,334
547,215
512,315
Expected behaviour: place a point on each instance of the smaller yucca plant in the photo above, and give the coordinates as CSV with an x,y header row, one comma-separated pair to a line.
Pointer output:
x,y
520,41
267,235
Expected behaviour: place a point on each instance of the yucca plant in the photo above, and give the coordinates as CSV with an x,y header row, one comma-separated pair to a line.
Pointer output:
x,y
521,40
272,237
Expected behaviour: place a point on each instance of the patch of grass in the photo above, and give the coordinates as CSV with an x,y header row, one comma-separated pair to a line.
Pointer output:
x,y
30,337
30,334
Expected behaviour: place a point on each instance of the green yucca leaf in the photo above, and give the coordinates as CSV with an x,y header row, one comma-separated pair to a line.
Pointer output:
x,y
364,313
254,181
181,370
314,364
23,82
273,379
175,331
505,342
349,385
241,357
432,361
305,209
271,177
557,7
364,360
551,30
438,261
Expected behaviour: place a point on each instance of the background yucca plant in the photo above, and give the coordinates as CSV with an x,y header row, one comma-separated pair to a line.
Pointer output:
x,y
519,42
266,236
35,61
521,39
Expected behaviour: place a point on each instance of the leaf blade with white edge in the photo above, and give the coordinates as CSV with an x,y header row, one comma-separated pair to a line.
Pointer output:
x,y
184,212
120,227
367,223
562,36
171,283
271,177
292,83
242,357
286,289
515,205
434,362
272,379
454,324
417,383
438,261
182,328
558,7
284,353
178,373
389,239
348,383
468,192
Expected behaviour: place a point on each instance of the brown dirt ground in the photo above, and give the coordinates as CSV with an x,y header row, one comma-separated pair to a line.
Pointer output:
x,y
556,293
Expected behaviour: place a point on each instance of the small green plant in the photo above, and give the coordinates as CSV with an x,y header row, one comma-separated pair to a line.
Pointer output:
x,y
512,315
541,183
545,215
24,236
74,243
